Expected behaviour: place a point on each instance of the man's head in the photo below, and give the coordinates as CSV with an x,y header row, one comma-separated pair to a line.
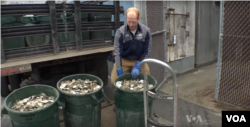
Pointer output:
x,y
132,15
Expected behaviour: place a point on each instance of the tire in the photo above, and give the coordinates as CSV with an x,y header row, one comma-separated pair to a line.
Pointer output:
x,y
4,90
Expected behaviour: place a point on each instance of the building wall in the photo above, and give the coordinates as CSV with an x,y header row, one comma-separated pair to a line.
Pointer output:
x,y
180,51
207,32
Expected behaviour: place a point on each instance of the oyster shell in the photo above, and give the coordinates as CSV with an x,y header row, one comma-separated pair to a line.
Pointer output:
x,y
79,86
132,85
33,102
119,84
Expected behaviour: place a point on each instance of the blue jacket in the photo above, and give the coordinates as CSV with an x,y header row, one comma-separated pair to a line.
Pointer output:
x,y
132,47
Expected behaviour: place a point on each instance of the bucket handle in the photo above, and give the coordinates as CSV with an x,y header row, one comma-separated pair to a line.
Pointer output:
x,y
3,111
98,100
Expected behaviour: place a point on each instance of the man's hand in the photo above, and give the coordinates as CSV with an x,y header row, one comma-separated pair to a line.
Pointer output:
x,y
119,72
136,70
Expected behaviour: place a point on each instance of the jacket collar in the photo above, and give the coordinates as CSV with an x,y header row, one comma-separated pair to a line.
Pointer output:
x,y
138,28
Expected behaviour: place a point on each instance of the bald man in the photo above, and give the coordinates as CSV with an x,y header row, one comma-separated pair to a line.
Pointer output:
x,y
132,44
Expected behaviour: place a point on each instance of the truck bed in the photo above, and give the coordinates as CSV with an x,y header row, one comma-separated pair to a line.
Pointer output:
x,y
47,57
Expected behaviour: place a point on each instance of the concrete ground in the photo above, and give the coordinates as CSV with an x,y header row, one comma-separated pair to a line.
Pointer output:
x,y
196,105
198,87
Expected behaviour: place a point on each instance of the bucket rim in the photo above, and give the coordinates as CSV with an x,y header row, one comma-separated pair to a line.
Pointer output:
x,y
34,111
129,91
78,95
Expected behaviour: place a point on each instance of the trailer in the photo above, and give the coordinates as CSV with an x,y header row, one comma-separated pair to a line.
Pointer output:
x,y
40,42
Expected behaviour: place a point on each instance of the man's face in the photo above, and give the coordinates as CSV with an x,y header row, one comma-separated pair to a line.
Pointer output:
x,y
132,21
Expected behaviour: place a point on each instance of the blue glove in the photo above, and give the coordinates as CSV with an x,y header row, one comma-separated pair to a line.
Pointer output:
x,y
136,70
119,72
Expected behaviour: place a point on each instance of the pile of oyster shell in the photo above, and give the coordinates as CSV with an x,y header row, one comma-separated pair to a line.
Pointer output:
x,y
33,102
133,85
79,86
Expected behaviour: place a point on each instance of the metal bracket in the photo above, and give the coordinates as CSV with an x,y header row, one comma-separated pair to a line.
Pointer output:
x,y
171,9
158,32
169,13
121,10
160,96
157,124
187,33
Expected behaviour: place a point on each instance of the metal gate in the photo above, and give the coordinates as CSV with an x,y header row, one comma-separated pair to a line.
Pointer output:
x,y
233,76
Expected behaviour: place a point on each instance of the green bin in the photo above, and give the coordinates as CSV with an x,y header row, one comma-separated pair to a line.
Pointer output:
x,y
130,104
14,42
39,39
84,18
44,117
8,19
63,37
82,110
100,17
43,39
28,20
45,19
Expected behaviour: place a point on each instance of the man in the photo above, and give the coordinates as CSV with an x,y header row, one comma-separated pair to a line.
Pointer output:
x,y
132,44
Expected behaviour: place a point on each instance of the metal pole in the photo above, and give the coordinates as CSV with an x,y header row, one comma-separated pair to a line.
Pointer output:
x,y
117,15
145,97
158,32
164,8
175,104
146,89
53,25
219,50
78,32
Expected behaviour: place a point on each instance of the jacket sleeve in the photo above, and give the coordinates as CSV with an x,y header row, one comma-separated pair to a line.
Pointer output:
x,y
147,45
118,47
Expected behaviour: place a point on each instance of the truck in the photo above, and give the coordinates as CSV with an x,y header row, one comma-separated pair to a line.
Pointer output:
x,y
41,43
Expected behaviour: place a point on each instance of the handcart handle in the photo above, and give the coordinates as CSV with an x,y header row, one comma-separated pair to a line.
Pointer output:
x,y
146,88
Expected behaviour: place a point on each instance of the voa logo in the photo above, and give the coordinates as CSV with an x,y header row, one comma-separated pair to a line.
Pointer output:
x,y
236,118
191,118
